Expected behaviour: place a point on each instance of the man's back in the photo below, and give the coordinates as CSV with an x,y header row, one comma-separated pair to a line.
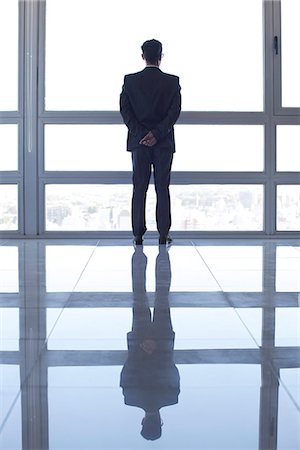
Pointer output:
x,y
150,101
151,92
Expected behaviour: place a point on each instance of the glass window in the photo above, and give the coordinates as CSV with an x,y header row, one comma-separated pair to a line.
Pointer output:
x,y
219,148
288,147
86,147
195,207
217,207
288,208
217,70
199,148
8,207
9,55
8,146
290,17
88,207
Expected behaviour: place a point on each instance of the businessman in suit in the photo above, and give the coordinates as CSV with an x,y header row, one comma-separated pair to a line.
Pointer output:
x,y
150,104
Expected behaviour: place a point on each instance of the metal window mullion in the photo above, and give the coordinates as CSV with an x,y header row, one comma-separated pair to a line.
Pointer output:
x,y
270,186
269,143
30,107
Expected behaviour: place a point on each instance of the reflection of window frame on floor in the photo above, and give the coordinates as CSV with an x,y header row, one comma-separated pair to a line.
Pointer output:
x,y
34,359
33,179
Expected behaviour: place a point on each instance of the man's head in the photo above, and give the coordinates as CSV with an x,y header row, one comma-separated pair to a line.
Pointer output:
x,y
151,426
152,52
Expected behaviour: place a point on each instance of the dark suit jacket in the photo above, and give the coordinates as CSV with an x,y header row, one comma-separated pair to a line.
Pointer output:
x,y
150,101
150,381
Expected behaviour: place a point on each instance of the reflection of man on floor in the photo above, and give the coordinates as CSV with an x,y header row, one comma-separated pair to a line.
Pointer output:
x,y
149,378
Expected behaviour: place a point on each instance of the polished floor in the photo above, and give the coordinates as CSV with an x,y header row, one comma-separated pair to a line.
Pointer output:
x,y
196,346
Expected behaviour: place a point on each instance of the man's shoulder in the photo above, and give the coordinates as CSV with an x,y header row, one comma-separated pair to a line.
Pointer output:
x,y
129,76
171,77
143,73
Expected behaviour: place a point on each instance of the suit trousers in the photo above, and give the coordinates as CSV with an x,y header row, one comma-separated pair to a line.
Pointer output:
x,y
142,161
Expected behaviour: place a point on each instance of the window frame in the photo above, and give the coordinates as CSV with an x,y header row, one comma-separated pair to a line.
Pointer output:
x,y
16,117
279,110
32,117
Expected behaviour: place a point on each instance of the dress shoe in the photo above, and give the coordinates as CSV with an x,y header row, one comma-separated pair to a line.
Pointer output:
x,y
165,240
138,240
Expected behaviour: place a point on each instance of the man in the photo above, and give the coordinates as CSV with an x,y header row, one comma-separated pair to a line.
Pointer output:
x,y
150,104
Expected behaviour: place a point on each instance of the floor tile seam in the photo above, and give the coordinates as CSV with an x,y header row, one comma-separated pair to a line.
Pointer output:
x,y
284,386
11,408
68,299
23,382
289,394
226,297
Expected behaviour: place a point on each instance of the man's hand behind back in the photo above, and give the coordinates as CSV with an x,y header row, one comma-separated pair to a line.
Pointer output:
x,y
149,140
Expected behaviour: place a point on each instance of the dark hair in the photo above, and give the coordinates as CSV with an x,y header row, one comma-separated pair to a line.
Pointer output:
x,y
152,51
151,428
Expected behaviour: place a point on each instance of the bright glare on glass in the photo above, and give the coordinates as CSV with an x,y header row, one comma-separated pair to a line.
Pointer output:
x,y
86,147
9,55
9,269
8,207
8,146
199,147
290,17
288,148
91,45
288,208
194,207
219,148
